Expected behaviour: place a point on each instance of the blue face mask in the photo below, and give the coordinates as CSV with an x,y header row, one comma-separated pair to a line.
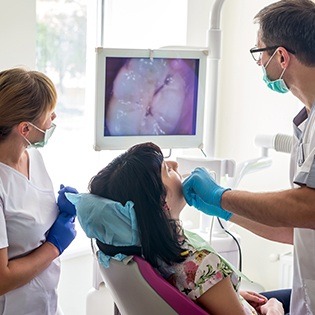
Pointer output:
x,y
276,85
47,134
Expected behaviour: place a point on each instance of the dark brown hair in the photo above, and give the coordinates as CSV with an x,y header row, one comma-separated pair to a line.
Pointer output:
x,y
136,175
291,24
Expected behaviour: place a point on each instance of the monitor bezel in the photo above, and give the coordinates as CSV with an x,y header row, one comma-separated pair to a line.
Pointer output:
x,y
102,142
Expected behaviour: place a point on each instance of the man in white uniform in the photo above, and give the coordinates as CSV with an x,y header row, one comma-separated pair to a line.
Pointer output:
x,y
286,53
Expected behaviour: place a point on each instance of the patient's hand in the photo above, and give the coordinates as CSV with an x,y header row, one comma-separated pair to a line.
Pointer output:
x,y
256,300
272,307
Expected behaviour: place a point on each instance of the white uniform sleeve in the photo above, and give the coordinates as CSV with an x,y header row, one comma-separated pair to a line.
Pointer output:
x,y
3,228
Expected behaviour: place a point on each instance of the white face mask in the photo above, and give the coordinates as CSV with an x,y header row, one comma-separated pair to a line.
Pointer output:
x,y
47,135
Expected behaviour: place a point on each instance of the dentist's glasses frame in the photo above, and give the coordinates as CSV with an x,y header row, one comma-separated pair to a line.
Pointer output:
x,y
257,52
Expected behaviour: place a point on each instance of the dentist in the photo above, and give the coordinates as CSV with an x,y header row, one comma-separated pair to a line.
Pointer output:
x,y
33,231
286,53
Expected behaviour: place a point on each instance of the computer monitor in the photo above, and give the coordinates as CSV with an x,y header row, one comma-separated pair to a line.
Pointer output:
x,y
149,95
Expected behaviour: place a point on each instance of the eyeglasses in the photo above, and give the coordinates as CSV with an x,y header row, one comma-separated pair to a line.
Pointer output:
x,y
257,52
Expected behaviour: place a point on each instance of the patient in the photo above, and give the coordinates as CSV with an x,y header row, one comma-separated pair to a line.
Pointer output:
x,y
141,175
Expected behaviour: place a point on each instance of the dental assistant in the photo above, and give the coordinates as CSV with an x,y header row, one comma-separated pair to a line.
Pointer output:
x,y
33,231
286,53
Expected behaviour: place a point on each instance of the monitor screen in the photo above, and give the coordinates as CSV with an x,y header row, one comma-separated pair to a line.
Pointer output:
x,y
144,95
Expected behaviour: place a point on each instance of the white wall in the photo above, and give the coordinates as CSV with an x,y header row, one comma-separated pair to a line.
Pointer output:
x,y
17,33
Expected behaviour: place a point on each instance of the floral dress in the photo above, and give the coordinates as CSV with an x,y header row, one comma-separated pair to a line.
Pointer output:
x,y
201,270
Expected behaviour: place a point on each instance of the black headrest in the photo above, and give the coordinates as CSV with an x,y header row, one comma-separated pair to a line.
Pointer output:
x,y
111,250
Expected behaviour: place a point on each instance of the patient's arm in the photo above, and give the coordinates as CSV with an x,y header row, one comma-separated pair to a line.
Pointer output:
x,y
221,299
278,234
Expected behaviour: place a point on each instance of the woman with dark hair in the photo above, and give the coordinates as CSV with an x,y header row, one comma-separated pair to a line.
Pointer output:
x,y
154,186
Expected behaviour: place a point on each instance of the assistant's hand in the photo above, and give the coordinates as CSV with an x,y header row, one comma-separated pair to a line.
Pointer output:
x,y
62,232
63,203
202,192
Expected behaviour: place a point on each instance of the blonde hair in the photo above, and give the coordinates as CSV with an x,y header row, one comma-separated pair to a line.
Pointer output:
x,y
24,96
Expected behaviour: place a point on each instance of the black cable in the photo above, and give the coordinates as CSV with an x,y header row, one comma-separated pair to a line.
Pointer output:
x,y
237,244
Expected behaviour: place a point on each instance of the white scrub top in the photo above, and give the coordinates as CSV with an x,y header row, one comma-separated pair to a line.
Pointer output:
x,y
303,173
27,211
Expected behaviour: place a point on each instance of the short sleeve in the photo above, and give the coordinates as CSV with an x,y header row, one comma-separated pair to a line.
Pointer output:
x,y
199,272
306,172
3,228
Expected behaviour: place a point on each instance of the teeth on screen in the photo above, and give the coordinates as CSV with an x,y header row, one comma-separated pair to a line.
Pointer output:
x,y
150,98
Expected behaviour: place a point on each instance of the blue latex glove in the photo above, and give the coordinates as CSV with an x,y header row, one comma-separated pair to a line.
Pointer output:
x,y
64,204
62,232
201,191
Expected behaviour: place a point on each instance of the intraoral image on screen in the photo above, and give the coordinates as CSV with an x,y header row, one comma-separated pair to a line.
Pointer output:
x,y
150,96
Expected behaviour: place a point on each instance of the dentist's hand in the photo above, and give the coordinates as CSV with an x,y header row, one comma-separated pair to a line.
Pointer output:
x,y
63,203
62,232
202,192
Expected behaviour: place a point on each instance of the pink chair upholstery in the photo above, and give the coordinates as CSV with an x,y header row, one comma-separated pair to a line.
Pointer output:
x,y
178,301
137,289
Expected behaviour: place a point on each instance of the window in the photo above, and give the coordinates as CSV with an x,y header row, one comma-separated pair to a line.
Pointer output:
x,y
61,54
67,33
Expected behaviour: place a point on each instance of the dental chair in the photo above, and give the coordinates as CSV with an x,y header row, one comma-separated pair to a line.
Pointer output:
x,y
135,286
137,289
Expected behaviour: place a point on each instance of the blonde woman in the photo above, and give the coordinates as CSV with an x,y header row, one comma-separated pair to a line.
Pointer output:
x,y
33,232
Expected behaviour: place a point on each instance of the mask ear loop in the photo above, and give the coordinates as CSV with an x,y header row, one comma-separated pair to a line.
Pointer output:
x,y
28,142
36,127
268,62
282,73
